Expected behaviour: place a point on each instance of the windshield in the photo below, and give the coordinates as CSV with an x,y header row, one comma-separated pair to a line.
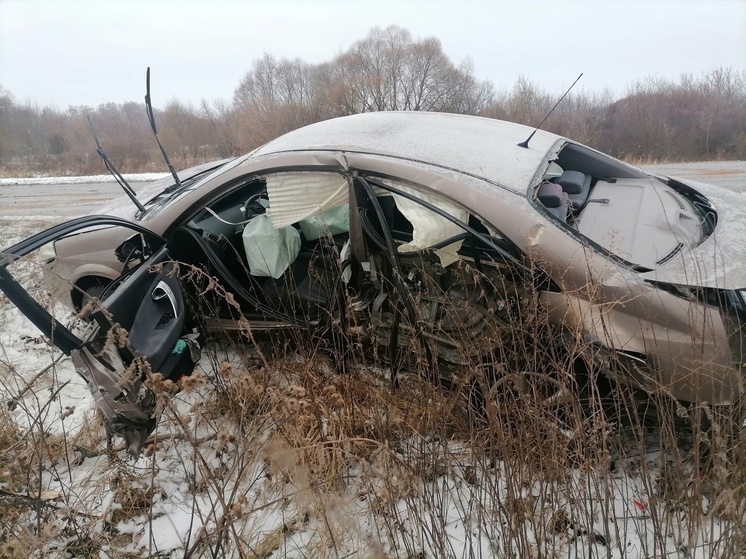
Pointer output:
x,y
173,192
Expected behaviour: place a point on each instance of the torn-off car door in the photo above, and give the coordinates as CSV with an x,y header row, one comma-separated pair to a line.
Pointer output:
x,y
138,328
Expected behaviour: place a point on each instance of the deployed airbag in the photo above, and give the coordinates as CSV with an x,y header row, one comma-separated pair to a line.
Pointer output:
x,y
429,228
330,222
295,197
269,251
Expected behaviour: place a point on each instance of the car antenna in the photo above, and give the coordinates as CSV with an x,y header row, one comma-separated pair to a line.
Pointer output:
x,y
151,118
128,190
524,144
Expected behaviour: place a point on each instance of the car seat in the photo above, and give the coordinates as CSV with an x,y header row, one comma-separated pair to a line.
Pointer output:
x,y
577,185
554,199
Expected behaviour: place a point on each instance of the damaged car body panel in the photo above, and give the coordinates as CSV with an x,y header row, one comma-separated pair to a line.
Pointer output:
x,y
716,262
691,348
433,237
92,266
135,331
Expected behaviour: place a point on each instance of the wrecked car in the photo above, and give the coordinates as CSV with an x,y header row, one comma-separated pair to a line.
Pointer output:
x,y
82,265
428,236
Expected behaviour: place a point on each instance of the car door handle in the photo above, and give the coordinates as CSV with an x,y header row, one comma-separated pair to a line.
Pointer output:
x,y
162,290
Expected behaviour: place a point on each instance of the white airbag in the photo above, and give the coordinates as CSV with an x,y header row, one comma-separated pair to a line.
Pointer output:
x,y
429,228
269,251
294,197
330,222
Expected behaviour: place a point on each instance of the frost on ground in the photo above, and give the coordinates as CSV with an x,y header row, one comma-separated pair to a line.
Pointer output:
x,y
135,177
261,455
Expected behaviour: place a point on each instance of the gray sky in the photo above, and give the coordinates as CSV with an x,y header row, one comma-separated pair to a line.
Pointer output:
x,y
84,52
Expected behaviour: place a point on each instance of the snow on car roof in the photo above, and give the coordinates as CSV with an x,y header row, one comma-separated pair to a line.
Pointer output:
x,y
478,146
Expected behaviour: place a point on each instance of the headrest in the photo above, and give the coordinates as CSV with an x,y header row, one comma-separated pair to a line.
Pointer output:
x,y
572,181
551,195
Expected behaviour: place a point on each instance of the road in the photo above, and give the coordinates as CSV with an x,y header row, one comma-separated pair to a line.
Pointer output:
x,y
64,200
728,174
72,200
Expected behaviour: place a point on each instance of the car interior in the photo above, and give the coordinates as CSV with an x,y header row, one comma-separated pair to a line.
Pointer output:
x,y
291,273
630,214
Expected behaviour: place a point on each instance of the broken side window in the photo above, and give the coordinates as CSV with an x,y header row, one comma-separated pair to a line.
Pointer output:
x,y
428,228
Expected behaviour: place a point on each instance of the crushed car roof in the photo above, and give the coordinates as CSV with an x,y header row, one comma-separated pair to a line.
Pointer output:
x,y
481,147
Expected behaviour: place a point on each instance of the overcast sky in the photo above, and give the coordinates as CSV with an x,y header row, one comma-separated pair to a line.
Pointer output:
x,y
83,52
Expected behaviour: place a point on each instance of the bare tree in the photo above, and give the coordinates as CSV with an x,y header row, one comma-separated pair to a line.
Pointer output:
x,y
693,118
274,97
222,136
388,71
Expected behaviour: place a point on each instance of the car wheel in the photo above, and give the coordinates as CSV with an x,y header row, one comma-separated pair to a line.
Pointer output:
x,y
641,412
88,291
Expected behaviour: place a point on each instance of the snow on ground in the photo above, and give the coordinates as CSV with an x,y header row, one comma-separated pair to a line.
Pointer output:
x,y
134,177
25,351
163,504
200,480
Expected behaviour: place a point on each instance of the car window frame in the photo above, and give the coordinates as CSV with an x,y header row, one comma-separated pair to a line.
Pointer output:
x,y
52,328
487,240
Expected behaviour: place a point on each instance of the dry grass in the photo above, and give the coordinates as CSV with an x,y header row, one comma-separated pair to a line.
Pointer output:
x,y
268,451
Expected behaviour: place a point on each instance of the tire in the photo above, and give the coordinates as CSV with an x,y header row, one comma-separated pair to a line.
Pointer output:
x,y
92,289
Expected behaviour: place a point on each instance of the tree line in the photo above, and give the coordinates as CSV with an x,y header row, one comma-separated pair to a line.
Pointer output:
x,y
693,118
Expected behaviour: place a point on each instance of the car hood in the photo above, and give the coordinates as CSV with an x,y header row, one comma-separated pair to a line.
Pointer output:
x,y
720,261
122,206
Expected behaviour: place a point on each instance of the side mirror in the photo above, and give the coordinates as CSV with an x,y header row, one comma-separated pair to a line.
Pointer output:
x,y
134,247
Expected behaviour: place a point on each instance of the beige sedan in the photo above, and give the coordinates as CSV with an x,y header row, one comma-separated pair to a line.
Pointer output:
x,y
436,237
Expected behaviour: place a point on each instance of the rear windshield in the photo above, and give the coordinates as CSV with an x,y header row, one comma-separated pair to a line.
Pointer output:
x,y
632,215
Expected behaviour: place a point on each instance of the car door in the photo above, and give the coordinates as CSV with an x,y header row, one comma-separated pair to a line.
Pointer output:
x,y
445,289
137,329
269,241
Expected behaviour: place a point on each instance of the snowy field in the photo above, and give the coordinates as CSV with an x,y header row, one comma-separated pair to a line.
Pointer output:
x,y
132,177
281,458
